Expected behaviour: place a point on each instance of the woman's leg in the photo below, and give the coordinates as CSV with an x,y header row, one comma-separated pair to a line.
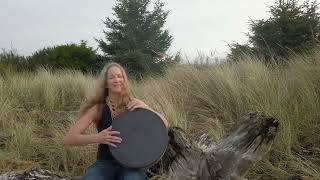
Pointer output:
x,y
101,170
131,174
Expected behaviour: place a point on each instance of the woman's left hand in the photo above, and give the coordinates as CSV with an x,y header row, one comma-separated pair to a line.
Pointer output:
x,y
136,103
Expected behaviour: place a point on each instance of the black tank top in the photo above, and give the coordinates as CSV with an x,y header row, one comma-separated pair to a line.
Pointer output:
x,y
104,123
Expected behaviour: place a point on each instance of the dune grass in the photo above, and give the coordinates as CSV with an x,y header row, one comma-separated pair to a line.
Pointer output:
x,y
37,109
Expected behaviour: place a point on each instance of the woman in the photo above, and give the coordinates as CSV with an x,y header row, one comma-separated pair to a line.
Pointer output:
x,y
112,97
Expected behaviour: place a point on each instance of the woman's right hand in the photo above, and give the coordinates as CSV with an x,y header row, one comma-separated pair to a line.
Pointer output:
x,y
107,136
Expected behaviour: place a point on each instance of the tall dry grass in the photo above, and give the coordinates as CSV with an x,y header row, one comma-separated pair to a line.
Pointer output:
x,y
37,109
208,99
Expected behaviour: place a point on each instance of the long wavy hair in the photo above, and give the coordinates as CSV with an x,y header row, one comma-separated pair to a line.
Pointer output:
x,y
101,91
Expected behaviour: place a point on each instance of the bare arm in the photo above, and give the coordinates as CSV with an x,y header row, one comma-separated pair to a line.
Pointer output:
x,y
76,136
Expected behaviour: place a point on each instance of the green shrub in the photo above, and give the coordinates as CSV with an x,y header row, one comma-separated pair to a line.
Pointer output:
x,y
70,56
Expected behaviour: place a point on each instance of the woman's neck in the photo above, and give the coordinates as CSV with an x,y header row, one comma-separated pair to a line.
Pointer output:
x,y
113,97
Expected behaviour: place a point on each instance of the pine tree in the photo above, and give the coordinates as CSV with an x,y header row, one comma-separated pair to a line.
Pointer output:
x,y
136,37
290,29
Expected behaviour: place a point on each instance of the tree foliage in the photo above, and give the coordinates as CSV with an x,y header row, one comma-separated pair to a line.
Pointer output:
x,y
240,50
292,28
75,56
136,36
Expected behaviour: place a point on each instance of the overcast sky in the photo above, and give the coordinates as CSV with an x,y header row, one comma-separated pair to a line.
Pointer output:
x,y
196,25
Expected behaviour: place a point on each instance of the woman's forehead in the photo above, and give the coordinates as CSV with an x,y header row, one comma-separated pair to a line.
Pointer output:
x,y
114,70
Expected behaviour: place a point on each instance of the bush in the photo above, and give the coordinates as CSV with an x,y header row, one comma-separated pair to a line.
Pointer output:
x,y
69,56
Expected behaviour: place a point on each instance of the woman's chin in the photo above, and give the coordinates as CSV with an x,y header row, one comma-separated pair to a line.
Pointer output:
x,y
116,91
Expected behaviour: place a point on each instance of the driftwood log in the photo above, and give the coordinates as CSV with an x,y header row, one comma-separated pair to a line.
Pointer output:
x,y
184,159
231,159
32,174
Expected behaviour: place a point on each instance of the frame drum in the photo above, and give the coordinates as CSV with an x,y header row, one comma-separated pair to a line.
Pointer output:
x,y
144,138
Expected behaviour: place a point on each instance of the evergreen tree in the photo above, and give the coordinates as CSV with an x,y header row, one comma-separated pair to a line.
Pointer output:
x,y
136,37
291,29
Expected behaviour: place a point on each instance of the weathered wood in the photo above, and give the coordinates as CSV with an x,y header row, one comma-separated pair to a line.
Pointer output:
x,y
231,159
32,174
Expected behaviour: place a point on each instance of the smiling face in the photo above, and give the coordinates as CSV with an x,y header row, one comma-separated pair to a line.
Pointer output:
x,y
115,80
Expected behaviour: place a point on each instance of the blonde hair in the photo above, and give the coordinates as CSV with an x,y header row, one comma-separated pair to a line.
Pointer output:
x,y
101,91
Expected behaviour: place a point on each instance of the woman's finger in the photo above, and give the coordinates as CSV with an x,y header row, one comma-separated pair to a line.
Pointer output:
x,y
132,108
115,138
144,106
137,106
115,141
111,140
112,133
111,144
131,105
109,128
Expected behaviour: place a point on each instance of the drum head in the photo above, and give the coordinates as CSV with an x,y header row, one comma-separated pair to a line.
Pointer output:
x,y
144,138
